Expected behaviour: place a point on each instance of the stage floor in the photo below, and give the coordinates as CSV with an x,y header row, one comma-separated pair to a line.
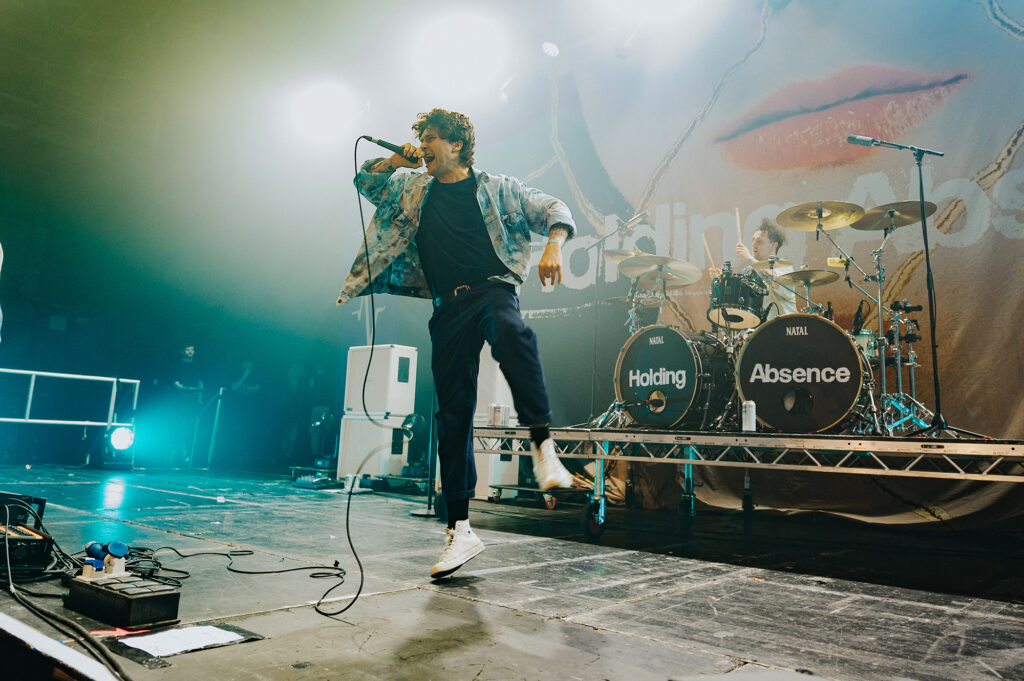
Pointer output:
x,y
772,598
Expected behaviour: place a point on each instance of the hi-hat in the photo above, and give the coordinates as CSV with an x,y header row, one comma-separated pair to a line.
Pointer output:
x,y
770,265
834,214
617,255
808,278
649,270
895,214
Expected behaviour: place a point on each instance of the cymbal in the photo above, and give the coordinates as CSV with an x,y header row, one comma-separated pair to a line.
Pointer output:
x,y
770,265
834,214
617,255
675,272
624,300
895,214
808,278
652,280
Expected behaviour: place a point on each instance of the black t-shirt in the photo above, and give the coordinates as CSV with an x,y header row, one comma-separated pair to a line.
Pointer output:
x,y
454,245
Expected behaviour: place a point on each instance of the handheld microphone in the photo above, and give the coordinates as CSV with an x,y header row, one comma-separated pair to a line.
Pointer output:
x,y
389,146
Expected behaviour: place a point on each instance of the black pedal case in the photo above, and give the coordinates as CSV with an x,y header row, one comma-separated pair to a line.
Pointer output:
x,y
126,602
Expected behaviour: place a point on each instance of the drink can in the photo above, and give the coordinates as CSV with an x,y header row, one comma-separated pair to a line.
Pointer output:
x,y
749,415
498,415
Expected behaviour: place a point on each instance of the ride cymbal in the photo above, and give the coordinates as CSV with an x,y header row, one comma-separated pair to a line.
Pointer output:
x,y
834,214
897,214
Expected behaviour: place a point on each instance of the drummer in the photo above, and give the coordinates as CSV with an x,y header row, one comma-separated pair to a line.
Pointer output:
x,y
767,241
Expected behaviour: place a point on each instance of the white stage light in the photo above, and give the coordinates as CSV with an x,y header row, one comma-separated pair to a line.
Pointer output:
x,y
122,438
550,49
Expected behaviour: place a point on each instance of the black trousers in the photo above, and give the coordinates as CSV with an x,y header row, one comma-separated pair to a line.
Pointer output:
x,y
458,329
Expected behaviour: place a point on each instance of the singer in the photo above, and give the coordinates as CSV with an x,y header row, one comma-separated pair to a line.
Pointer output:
x,y
461,236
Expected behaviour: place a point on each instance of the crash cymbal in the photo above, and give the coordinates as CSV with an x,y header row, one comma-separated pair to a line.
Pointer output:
x,y
834,214
617,255
770,265
678,272
808,278
895,214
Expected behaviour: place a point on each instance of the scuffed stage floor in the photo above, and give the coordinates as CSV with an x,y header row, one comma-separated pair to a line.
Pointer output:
x,y
770,599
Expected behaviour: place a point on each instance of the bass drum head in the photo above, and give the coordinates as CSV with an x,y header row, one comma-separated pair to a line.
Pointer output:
x,y
658,364
802,372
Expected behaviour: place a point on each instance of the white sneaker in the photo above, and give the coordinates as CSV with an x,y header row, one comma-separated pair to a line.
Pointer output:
x,y
547,469
462,545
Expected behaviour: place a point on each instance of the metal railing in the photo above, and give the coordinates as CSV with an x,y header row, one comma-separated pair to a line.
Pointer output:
x,y
111,410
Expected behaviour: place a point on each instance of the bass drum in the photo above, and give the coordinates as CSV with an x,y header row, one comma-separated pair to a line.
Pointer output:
x,y
803,373
667,378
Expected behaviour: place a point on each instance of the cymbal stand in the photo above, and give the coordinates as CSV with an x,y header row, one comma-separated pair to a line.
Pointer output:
x,y
811,307
879,276
599,245
903,410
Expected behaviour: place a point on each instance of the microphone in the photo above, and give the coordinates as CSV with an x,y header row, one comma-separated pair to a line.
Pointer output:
x,y
905,306
858,318
389,146
629,224
862,140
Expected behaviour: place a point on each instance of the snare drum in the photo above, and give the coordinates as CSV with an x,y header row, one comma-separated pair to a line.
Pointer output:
x,y
737,300
667,378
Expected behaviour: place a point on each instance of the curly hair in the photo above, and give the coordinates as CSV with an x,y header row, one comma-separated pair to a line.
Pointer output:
x,y
452,126
773,233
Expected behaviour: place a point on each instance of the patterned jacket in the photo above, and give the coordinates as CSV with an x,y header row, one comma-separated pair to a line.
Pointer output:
x,y
510,209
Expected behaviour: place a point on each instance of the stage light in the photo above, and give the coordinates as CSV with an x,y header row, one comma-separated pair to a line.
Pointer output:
x,y
550,49
122,438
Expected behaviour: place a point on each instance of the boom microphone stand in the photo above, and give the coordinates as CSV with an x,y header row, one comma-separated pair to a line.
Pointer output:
x,y
938,425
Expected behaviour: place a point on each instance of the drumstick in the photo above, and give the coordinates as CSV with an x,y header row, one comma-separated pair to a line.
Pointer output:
x,y
739,228
707,251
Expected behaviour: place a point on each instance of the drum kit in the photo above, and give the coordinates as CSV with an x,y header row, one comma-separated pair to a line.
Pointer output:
x,y
801,371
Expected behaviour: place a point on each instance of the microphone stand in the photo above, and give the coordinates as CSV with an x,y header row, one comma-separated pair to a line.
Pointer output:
x,y
599,245
938,424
